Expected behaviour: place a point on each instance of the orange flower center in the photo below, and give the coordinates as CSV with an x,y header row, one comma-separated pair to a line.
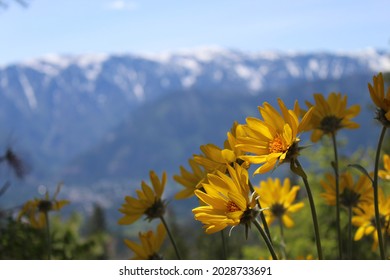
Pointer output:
x,y
232,207
276,145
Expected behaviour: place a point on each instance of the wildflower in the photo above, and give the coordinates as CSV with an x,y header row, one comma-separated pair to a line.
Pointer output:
x,y
364,219
36,210
278,200
331,115
214,158
382,101
150,244
231,144
351,194
275,138
385,174
191,181
226,199
148,203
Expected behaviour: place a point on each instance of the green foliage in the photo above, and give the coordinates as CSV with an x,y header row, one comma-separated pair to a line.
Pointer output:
x,y
18,240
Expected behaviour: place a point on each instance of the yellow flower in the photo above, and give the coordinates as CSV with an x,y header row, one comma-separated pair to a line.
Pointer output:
x,y
231,144
148,202
36,209
351,194
385,174
275,138
226,199
382,101
191,181
214,158
331,115
279,199
364,219
150,244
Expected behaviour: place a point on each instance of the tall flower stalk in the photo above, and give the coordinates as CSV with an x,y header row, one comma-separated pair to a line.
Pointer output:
x,y
278,199
351,196
329,116
337,177
297,169
376,195
382,101
170,237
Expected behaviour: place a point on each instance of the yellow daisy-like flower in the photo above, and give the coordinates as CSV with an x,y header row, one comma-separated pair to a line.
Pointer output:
x,y
364,219
385,174
278,200
275,138
214,158
36,209
148,203
331,115
382,101
150,244
226,200
231,144
191,181
351,194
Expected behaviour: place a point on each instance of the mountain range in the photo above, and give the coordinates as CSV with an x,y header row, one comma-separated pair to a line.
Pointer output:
x,y
91,118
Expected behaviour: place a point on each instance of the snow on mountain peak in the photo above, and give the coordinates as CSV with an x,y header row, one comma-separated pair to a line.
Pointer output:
x,y
53,64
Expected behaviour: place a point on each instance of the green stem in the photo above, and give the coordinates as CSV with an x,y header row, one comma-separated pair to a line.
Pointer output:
x,y
262,216
282,244
349,232
170,237
48,238
337,179
376,199
224,247
297,169
266,239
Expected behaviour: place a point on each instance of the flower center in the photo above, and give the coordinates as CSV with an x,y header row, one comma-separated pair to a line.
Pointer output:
x,y
45,206
156,210
381,117
278,210
330,124
276,145
232,207
349,198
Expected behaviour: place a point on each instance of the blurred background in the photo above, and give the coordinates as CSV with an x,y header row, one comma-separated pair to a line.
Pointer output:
x,y
95,94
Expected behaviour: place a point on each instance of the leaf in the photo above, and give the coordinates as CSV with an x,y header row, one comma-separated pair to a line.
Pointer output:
x,y
297,169
362,170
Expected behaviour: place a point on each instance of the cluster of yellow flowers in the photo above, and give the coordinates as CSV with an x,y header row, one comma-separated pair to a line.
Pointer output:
x,y
219,177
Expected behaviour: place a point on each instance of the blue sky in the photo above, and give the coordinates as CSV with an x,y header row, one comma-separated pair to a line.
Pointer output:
x,y
122,26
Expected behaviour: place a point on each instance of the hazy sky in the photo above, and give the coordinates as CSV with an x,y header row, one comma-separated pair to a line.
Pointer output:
x,y
118,26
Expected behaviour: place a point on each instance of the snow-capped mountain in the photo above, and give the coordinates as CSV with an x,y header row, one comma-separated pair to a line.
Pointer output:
x,y
58,107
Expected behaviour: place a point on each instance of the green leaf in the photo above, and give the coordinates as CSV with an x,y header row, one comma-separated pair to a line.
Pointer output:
x,y
362,170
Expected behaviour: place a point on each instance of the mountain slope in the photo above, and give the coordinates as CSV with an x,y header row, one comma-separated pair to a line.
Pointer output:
x,y
59,107
164,134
